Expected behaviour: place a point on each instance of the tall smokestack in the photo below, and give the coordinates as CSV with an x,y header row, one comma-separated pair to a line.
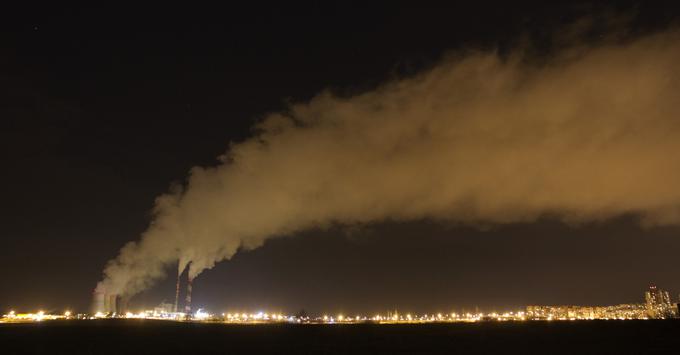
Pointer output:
x,y
179,274
187,305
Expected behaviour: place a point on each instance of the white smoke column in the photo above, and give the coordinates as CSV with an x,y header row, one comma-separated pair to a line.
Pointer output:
x,y
591,134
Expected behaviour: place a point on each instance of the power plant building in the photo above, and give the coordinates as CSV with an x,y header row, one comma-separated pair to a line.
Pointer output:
x,y
109,303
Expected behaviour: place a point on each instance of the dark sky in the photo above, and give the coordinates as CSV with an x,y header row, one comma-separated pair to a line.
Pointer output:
x,y
103,108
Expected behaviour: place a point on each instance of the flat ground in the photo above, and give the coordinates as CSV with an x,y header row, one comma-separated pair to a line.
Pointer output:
x,y
145,337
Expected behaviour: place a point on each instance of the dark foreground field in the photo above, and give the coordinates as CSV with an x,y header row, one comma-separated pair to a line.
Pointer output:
x,y
145,337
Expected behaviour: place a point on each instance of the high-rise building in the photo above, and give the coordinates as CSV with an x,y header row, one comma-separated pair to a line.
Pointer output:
x,y
658,304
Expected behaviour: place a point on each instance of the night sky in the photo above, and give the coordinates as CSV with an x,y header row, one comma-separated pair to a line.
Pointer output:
x,y
104,108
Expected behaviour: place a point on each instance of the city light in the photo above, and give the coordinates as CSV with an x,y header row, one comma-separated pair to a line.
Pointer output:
x,y
657,305
201,315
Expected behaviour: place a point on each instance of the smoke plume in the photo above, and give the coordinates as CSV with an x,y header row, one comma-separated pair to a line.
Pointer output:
x,y
587,134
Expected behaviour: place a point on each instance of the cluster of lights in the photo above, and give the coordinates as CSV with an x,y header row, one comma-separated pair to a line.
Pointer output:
x,y
140,315
549,313
256,317
658,305
266,317
13,316
617,312
378,318
424,318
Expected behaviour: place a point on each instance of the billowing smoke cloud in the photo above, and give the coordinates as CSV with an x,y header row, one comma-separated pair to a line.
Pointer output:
x,y
589,134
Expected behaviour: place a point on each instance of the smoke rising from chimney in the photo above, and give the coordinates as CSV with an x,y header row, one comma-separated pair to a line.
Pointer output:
x,y
587,134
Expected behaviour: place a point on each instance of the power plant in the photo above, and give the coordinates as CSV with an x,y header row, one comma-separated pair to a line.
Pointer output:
x,y
108,304
105,303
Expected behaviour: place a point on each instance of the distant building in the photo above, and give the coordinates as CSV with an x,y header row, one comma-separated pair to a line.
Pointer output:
x,y
164,307
109,303
658,304
619,311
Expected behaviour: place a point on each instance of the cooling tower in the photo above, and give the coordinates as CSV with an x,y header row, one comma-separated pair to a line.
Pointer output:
x,y
98,302
121,304
179,274
112,305
187,305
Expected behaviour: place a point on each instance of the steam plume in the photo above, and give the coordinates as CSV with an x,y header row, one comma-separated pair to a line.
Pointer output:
x,y
590,134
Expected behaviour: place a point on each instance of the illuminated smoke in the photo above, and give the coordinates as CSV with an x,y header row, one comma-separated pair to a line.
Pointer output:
x,y
588,134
